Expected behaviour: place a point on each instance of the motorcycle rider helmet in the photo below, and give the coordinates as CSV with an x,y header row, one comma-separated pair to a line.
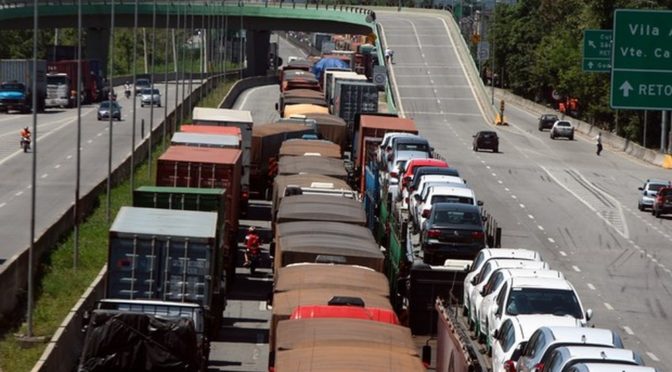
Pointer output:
x,y
251,229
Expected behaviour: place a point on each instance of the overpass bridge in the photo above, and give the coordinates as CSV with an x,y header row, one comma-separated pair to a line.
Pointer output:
x,y
258,19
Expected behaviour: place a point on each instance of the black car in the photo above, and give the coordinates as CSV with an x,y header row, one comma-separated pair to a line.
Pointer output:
x,y
486,139
452,231
546,121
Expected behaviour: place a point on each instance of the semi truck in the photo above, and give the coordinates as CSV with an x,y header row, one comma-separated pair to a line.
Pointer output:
x,y
16,85
92,84
60,91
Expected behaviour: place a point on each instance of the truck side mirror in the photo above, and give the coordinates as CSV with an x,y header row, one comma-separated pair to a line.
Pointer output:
x,y
589,314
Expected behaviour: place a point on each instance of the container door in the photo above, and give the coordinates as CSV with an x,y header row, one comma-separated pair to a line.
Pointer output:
x,y
187,272
133,268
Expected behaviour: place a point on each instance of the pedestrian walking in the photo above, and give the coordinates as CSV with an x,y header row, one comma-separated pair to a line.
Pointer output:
x,y
598,142
389,55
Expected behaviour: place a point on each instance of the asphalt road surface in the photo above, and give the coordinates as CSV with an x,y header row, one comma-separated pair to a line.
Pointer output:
x,y
56,162
555,196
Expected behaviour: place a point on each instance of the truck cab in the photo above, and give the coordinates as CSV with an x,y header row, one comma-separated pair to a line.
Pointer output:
x,y
13,96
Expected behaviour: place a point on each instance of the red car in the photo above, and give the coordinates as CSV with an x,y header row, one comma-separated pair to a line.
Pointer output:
x,y
413,164
663,202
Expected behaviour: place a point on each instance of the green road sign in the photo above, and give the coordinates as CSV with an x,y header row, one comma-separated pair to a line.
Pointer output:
x,y
641,77
597,50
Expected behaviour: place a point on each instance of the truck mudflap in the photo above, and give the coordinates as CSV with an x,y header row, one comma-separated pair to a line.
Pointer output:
x,y
139,342
455,352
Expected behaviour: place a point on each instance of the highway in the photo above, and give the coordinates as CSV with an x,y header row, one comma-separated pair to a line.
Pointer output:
x,y
558,197
56,162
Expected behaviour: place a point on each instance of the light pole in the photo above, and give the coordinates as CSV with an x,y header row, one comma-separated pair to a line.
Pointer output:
x,y
492,57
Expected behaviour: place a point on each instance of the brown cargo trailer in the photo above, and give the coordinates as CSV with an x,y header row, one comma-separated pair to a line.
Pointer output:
x,y
297,96
346,358
284,303
302,147
266,142
328,248
315,275
309,183
310,332
303,109
331,127
312,164
318,208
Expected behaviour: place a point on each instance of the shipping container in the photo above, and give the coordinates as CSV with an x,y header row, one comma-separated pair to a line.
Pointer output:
x,y
232,118
206,140
329,76
197,199
354,98
210,168
334,89
299,79
301,147
211,129
166,255
316,275
288,165
16,84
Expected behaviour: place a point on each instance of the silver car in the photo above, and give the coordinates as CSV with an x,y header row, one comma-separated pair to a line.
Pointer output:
x,y
149,96
649,192
562,128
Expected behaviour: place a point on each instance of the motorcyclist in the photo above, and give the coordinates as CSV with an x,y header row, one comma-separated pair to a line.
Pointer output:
x,y
25,137
127,89
252,242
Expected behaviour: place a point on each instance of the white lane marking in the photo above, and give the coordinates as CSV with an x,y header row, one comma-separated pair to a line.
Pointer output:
x,y
609,307
591,286
576,268
44,175
494,174
483,161
506,189
628,330
514,197
57,166
522,205
500,182
99,134
69,157
540,227
551,240
2,204
625,233
652,356
89,141
487,166
19,193
530,216
562,253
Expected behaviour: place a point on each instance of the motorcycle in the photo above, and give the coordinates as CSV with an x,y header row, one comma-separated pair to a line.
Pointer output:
x,y
255,258
25,143
127,93
253,251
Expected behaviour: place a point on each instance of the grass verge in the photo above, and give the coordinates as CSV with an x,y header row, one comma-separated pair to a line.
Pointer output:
x,y
61,286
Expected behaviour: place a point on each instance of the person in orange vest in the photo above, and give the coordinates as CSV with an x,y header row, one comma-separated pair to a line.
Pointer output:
x,y
561,107
252,241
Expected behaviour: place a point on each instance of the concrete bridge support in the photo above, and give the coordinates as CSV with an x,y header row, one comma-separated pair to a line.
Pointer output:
x,y
257,45
98,46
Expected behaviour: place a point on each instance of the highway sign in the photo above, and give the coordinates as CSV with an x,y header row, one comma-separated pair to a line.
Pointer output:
x,y
641,77
597,50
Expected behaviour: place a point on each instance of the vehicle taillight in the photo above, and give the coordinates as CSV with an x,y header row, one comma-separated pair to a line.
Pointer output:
x,y
246,195
509,366
433,233
394,174
538,367
425,213
477,235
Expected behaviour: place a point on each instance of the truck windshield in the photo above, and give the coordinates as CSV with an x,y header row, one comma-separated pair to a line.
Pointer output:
x,y
11,87
57,80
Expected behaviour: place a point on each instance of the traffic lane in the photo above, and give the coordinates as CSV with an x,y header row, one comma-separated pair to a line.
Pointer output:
x,y
57,165
261,102
287,49
522,160
617,176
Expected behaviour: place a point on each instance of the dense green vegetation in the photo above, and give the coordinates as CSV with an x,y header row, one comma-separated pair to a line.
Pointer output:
x,y
61,286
